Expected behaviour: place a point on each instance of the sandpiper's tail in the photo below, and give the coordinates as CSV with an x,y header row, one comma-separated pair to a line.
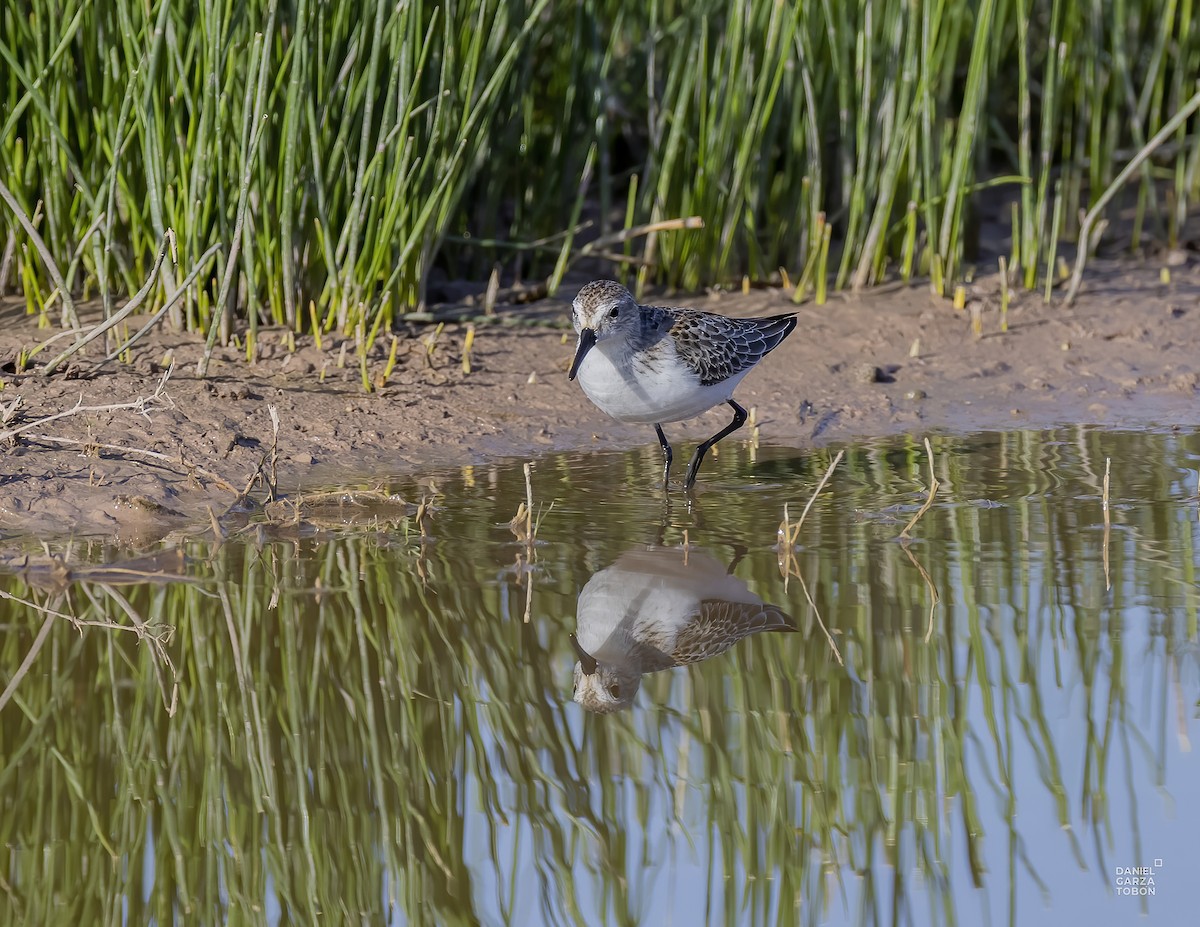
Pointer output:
x,y
773,329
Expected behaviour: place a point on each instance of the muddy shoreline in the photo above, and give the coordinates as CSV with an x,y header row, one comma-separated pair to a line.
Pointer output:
x,y
1127,354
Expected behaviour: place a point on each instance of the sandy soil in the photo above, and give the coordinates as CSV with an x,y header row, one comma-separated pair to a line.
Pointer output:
x,y
893,360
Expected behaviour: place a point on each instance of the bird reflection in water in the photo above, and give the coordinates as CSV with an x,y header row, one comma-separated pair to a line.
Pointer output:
x,y
654,609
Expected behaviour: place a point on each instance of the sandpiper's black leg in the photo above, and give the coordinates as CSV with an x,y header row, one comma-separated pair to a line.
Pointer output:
x,y
667,456
739,419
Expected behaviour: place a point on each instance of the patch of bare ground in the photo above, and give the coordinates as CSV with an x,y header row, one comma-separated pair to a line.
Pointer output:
x,y
137,456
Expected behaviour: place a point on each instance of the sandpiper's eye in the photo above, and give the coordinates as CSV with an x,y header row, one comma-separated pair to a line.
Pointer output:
x,y
614,312
614,690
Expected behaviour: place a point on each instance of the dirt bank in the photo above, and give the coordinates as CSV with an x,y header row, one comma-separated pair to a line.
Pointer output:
x,y
1128,353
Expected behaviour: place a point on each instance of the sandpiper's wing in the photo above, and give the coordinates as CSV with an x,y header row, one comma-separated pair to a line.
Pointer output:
x,y
717,347
718,625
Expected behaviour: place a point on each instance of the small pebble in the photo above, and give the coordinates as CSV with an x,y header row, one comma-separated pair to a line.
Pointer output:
x,y
867,373
915,394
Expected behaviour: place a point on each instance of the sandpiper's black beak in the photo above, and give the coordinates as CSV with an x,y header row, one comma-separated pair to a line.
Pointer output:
x,y
586,661
587,339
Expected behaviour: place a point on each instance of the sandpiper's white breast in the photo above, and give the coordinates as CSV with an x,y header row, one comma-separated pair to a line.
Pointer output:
x,y
653,592
650,387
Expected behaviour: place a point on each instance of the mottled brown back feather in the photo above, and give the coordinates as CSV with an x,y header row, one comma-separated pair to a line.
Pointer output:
x,y
719,625
717,347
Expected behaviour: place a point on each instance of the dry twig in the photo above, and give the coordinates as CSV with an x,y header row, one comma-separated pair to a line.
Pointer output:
x,y
820,623
933,488
191,468
934,598
140,405
1107,523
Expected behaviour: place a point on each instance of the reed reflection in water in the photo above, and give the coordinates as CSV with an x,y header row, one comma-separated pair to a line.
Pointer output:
x,y
354,721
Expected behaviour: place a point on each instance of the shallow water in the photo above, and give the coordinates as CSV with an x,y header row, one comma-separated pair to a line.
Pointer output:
x,y
362,714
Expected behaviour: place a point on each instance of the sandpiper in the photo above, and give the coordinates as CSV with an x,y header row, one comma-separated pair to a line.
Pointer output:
x,y
655,609
656,364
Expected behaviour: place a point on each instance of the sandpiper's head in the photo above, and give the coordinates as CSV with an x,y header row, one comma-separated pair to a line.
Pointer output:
x,y
599,688
603,309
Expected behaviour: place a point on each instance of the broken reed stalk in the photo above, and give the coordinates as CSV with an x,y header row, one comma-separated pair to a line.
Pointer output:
x,y
789,532
788,535
44,609
821,485
170,304
152,630
528,506
1004,294
158,651
273,488
1107,522
39,244
138,298
934,598
146,631
468,343
933,488
219,534
1097,211
7,412
1104,495
524,529
820,623
23,669
638,231
528,593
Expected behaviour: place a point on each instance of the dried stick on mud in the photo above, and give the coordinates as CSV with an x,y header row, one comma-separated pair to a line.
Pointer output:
x,y
193,469
142,406
139,404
